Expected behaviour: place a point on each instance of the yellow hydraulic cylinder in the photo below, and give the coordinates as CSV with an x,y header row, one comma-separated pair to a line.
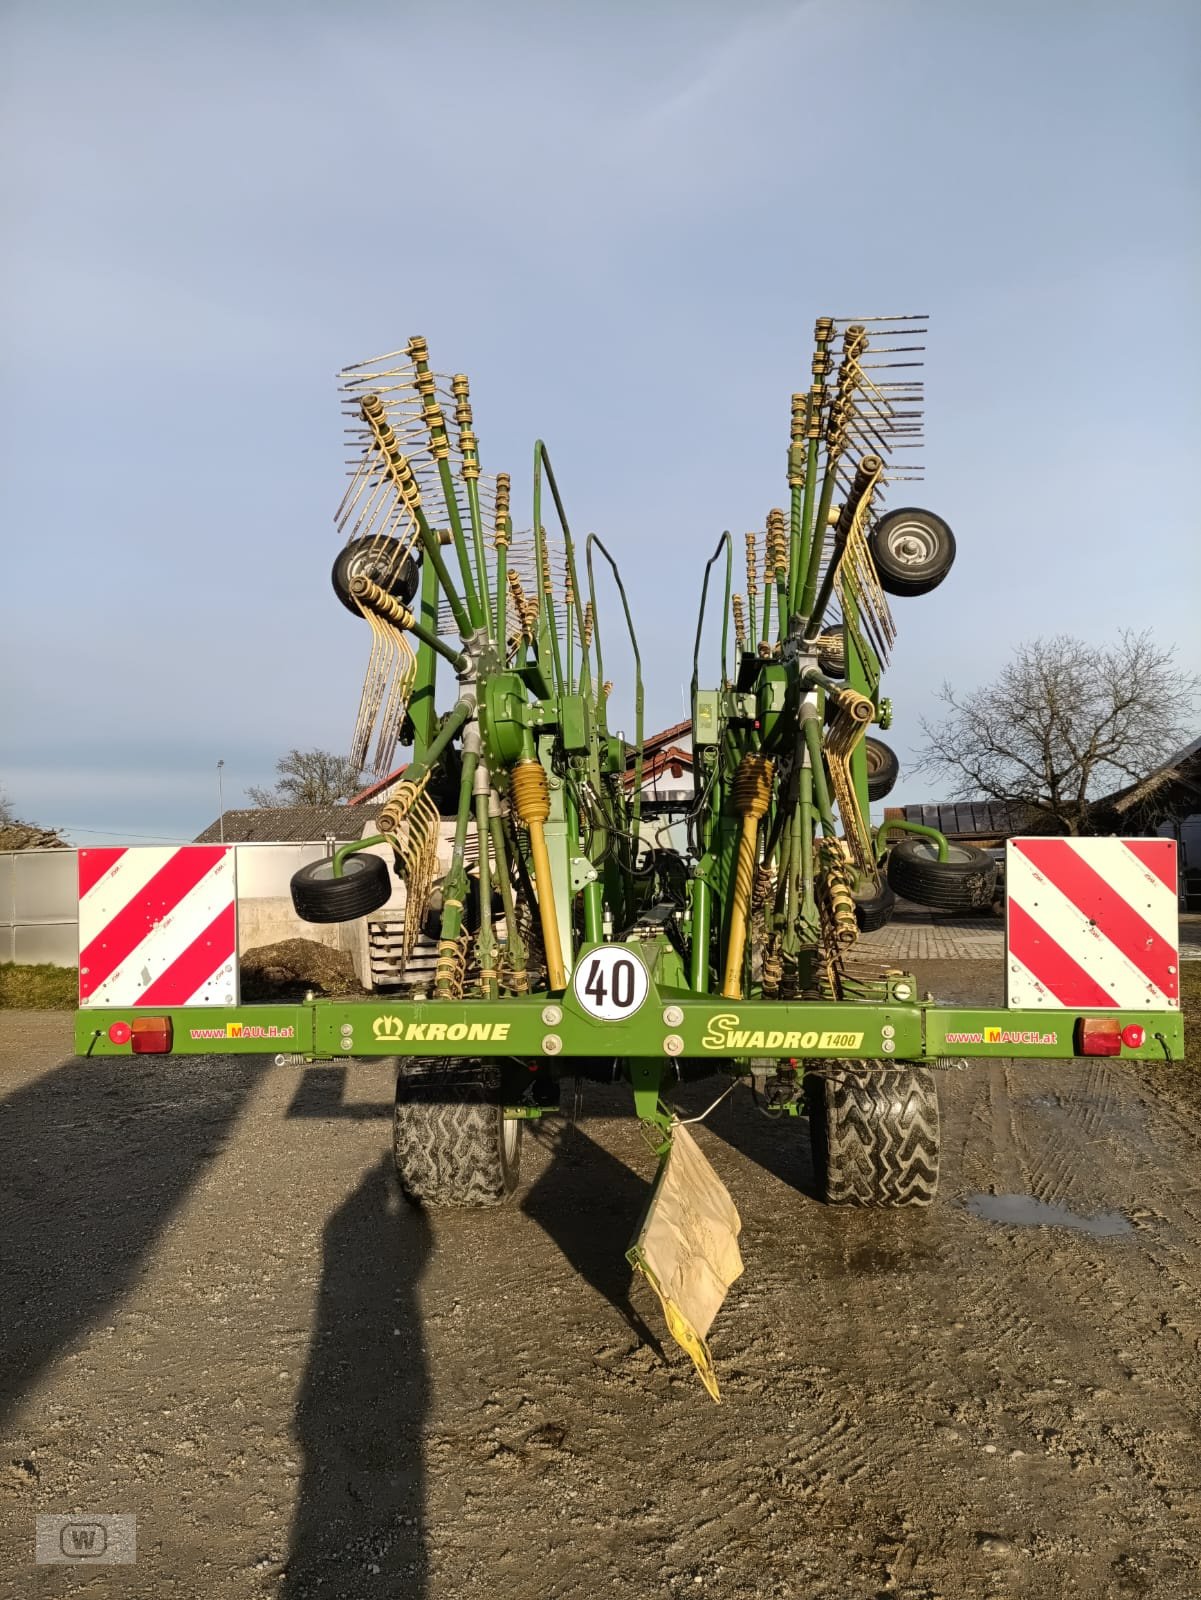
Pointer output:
x,y
750,799
531,797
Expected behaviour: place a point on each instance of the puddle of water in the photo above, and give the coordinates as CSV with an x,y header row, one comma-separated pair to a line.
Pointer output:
x,y
1024,1211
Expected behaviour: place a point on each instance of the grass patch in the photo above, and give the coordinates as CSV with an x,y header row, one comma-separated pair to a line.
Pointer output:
x,y
41,988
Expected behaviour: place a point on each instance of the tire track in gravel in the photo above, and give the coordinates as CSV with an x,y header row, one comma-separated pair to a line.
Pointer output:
x,y
914,1405
1068,1141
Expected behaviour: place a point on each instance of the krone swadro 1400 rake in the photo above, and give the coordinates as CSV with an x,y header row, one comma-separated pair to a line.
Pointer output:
x,y
545,927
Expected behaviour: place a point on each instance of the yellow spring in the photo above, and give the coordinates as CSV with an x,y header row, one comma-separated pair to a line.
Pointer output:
x,y
797,463
527,611
374,598
513,975
790,978
458,387
399,806
831,652
501,536
531,795
777,542
451,968
813,412
856,707
799,404
764,887
469,447
773,971
837,884
396,465
751,794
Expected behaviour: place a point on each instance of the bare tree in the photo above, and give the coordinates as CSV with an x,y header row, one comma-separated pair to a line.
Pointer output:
x,y
310,778
1065,723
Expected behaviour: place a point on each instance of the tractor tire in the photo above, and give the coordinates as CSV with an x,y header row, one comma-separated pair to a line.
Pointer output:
x,y
365,885
380,559
913,551
965,881
883,768
875,1134
451,1142
875,910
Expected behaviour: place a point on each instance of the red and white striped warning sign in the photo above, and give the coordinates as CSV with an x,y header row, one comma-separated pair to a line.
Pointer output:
x,y
158,926
1092,924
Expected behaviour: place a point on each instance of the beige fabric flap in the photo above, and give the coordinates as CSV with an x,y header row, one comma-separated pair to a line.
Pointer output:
x,y
688,1247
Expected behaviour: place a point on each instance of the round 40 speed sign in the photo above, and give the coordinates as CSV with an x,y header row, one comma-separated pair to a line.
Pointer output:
x,y
610,983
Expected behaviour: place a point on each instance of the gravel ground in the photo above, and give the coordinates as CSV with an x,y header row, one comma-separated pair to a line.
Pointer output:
x,y
216,1313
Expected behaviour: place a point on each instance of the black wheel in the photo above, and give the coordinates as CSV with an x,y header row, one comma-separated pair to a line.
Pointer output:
x,y
875,1134
875,909
965,881
883,768
832,653
913,550
380,559
451,1141
364,886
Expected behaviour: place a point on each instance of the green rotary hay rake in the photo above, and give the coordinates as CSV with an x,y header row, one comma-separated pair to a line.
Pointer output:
x,y
548,925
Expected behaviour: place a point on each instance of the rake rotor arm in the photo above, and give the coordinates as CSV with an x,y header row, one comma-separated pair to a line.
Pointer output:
x,y
594,543
548,631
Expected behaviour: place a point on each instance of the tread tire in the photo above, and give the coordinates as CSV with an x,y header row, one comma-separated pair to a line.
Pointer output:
x,y
883,768
875,1135
967,881
365,885
450,1141
913,550
875,911
383,561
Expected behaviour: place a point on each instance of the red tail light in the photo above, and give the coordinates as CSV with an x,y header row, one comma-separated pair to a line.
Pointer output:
x,y
1133,1036
1099,1036
150,1036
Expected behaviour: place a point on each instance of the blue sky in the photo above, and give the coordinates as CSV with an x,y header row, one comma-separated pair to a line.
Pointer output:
x,y
621,220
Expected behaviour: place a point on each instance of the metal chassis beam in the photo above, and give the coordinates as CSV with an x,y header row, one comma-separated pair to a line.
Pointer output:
x,y
669,1027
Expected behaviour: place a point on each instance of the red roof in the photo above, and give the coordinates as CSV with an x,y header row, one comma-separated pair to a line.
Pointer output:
x,y
655,741
673,760
378,786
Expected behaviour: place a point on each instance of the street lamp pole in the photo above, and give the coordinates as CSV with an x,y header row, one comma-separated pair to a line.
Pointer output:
x,y
221,800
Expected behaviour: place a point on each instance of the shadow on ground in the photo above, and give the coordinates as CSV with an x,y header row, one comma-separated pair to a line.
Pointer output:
x,y
358,1526
778,1144
99,1156
590,1204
